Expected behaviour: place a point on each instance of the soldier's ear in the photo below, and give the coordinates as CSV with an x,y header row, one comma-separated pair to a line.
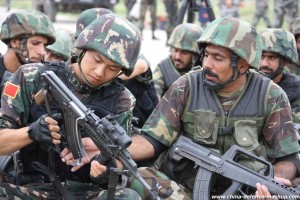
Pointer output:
x,y
14,43
242,65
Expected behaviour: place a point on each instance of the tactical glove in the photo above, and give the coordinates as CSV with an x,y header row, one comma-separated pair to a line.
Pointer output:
x,y
39,131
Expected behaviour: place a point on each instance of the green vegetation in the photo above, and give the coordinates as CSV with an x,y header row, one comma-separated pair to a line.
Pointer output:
x,y
246,11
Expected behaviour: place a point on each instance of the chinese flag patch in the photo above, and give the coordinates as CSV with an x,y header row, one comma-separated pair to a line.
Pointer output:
x,y
11,90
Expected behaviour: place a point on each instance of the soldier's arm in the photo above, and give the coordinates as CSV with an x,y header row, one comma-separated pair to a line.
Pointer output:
x,y
280,135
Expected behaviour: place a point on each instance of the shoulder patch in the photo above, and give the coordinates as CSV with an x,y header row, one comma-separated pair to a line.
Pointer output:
x,y
11,89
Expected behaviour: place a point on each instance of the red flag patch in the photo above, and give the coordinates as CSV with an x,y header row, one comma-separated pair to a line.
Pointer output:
x,y
11,90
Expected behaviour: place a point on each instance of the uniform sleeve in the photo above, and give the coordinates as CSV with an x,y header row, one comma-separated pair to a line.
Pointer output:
x,y
158,81
17,97
164,124
279,133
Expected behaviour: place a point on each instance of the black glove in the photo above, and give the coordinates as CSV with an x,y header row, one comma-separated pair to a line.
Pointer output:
x,y
39,131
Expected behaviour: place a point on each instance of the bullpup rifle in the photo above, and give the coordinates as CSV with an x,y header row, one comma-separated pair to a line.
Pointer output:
x,y
110,138
211,163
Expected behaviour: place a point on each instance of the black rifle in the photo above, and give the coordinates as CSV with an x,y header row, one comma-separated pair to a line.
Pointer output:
x,y
110,138
211,163
189,7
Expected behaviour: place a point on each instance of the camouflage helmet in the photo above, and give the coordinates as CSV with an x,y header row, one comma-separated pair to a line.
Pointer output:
x,y
236,35
87,16
114,37
295,27
281,42
185,37
63,44
27,23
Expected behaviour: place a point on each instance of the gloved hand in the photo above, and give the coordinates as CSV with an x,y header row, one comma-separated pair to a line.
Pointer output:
x,y
39,132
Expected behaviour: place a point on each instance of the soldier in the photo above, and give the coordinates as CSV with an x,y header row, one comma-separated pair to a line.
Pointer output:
x,y
288,8
93,78
62,48
26,33
295,29
151,4
279,50
171,7
230,8
184,52
217,106
139,83
261,11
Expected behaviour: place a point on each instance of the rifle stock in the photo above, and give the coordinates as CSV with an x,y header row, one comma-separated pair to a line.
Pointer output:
x,y
211,163
110,138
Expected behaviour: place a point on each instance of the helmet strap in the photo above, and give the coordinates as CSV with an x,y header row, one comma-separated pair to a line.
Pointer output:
x,y
279,69
236,74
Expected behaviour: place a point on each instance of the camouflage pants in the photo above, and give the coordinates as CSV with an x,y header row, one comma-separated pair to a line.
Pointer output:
x,y
172,13
170,190
46,191
152,6
289,8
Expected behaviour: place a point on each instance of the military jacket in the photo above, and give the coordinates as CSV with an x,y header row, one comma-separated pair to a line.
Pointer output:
x,y
18,110
168,120
164,76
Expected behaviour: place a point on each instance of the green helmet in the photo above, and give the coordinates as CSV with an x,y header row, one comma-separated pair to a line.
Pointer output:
x,y
236,35
281,42
63,44
87,16
27,23
114,37
295,27
185,37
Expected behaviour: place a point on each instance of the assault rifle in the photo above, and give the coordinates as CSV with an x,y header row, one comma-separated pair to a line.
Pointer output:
x,y
110,138
189,7
211,163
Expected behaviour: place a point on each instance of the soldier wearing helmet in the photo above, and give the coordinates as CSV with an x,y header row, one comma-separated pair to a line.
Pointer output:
x,y
220,105
139,83
62,49
26,33
109,47
184,52
279,50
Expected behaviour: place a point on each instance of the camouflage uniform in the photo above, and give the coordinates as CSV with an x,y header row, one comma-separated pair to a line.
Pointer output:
x,y
261,11
283,43
19,108
129,5
63,46
152,7
24,24
171,7
182,112
289,8
295,29
183,37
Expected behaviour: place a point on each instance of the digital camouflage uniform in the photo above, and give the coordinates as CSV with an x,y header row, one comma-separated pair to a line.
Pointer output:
x,y
283,43
295,29
287,8
19,107
183,37
261,11
258,114
24,24
171,7
63,46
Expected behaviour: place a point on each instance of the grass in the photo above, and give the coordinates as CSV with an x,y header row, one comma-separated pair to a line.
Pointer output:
x,y
246,11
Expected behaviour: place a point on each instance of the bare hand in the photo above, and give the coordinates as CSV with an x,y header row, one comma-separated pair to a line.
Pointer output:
x,y
90,149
